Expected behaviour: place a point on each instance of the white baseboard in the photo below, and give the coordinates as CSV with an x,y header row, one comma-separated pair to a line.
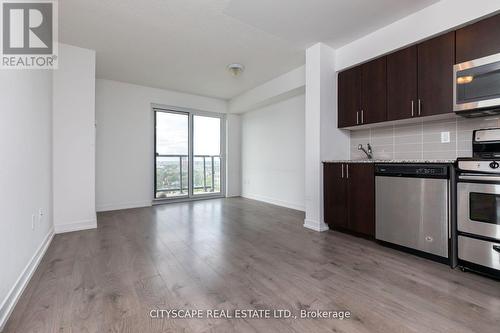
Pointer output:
x,y
15,293
316,225
126,205
75,226
273,201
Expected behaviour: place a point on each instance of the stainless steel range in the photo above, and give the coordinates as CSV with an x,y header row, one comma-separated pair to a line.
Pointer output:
x,y
478,205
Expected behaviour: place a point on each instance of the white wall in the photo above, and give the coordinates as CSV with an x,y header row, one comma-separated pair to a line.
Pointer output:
x,y
442,16
273,153
74,140
124,165
25,178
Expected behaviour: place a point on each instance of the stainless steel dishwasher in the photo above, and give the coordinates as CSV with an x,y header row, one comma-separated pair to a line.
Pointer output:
x,y
412,207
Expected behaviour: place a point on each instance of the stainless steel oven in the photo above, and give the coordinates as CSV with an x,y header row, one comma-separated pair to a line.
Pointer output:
x,y
479,205
477,87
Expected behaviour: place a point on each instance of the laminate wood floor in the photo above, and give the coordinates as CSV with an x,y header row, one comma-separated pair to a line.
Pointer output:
x,y
242,254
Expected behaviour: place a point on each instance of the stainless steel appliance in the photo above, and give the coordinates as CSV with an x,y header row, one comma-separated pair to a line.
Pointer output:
x,y
412,207
477,87
478,204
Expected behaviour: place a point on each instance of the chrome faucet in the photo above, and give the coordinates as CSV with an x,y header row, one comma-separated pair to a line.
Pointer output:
x,y
368,153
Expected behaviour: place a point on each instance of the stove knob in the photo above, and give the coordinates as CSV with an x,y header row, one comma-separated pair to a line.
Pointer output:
x,y
494,165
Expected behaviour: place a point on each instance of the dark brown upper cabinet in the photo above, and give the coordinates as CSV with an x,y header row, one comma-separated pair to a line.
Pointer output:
x,y
435,75
420,79
349,95
374,92
402,78
478,40
362,93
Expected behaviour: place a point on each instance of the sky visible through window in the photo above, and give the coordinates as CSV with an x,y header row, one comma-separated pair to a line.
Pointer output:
x,y
172,134
206,135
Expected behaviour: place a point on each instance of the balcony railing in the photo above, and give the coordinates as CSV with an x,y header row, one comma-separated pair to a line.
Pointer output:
x,y
172,174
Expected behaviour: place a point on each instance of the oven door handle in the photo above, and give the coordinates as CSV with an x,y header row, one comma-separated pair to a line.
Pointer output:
x,y
480,178
496,248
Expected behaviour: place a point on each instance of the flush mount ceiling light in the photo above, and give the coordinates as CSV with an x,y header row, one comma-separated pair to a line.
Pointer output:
x,y
235,69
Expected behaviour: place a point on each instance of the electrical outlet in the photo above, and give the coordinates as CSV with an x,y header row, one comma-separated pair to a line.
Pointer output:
x,y
33,222
40,215
445,137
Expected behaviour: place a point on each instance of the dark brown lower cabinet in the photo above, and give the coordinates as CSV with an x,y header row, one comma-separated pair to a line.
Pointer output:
x,y
361,197
349,197
335,198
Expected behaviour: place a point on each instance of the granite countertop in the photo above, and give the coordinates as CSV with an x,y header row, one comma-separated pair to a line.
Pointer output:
x,y
390,161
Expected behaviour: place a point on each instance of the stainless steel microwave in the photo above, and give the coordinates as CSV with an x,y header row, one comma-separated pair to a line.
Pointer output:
x,y
476,86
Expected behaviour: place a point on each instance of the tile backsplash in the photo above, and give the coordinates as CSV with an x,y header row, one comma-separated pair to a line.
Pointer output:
x,y
421,140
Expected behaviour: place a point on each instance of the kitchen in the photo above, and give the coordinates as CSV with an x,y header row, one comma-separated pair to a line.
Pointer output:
x,y
423,176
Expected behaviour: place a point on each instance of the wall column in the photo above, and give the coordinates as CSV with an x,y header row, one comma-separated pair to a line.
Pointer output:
x,y
323,140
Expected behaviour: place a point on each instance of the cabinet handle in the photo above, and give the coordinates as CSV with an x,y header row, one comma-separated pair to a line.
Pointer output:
x,y
347,170
419,106
362,120
357,117
496,248
342,170
412,108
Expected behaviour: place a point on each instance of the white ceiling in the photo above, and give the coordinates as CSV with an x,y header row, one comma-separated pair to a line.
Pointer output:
x,y
185,45
335,22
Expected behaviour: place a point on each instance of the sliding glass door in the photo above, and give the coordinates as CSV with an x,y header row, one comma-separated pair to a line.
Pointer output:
x,y
206,155
172,155
188,154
